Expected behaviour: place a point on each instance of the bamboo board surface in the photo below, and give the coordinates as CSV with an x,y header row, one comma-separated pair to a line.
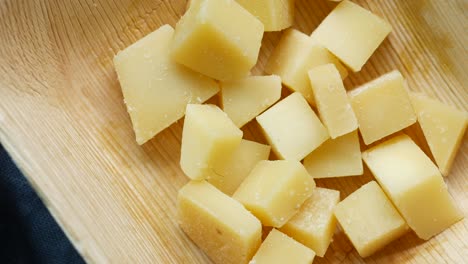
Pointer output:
x,y
63,120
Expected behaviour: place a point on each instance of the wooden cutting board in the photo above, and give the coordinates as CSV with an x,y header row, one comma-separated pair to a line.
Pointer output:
x,y
63,120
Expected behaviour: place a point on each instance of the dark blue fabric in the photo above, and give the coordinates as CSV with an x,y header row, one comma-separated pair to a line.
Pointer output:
x,y
28,233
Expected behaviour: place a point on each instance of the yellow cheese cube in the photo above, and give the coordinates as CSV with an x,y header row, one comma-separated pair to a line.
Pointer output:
x,y
156,90
218,224
336,158
332,102
292,128
369,219
414,184
278,248
244,99
275,15
207,41
315,223
208,138
443,126
229,174
274,190
294,56
382,107
352,33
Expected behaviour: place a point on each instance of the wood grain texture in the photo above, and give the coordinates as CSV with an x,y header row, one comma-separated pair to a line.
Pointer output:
x,y
63,120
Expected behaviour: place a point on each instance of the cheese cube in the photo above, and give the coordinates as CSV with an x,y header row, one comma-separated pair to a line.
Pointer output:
x,y
229,174
382,107
278,248
294,56
244,99
443,126
336,158
274,190
208,42
208,138
414,184
292,128
275,15
369,219
218,224
315,223
156,90
332,102
352,33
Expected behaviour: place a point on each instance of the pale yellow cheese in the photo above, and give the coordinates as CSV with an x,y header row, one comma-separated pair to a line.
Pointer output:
x,y
275,15
229,174
218,224
294,56
369,219
352,33
246,98
292,128
156,90
207,41
414,184
275,190
332,102
338,157
315,223
208,138
278,248
382,107
443,126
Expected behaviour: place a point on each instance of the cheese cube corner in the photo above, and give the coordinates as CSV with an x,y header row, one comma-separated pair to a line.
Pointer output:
x,y
206,216
275,15
208,138
337,157
332,101
315,223
228,175
292,128
369,219
246,98
443,127
207,41
156,90
279,248
275,190
352,33
414,184
294,56
382,107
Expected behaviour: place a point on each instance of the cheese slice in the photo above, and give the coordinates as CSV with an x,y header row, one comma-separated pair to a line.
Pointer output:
x,y
218,224
414,184
275,190
246,98
156,90
443,126
369,219
208,138
207,41
278,248
229,174
332,102
315,223
352,33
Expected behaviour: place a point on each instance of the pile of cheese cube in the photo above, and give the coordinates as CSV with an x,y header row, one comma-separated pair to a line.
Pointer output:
x,y
234,189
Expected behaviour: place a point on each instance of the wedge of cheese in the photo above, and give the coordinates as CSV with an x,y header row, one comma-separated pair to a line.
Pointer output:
x,y
218,224
414,184
156,90
443,126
